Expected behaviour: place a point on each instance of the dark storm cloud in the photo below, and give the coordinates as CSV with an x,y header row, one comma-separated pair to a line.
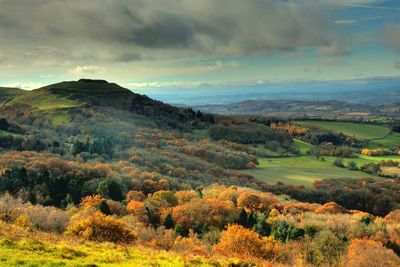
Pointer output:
x,y
122,30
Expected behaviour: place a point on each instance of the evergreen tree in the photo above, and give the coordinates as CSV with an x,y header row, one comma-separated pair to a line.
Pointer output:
x,y
251,219
169,222
103,189
104,208
262,227
180,230
243,218
114,191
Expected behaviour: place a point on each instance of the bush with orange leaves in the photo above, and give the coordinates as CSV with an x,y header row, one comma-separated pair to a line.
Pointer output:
x,y
252,202
210,211
102,228
298,207
369,253
138,209
91,201
185,196
393,216
331,208
135,195
240,242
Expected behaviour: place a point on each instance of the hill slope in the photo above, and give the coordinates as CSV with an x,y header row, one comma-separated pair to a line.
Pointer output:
x,y
75,95
7,93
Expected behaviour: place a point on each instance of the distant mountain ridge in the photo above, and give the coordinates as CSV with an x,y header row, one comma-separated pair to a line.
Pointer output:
x,y
333,109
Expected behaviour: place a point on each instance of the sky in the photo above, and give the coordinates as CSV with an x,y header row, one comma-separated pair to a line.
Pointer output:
x,y
186,44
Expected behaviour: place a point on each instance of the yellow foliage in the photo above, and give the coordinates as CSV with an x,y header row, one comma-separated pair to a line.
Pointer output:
x,y
23,221
91,201
101,228
240,242
331,208
251,202
369,253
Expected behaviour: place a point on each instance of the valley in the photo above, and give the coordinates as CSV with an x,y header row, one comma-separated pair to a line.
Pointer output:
x,y
91,161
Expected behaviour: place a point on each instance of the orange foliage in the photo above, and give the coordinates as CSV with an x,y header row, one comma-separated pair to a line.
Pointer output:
x,y
101,228
293,207
135,206
251,202
241,242
331,208
185,196
369,253
91,201
393,216
291,129
134,195
209,211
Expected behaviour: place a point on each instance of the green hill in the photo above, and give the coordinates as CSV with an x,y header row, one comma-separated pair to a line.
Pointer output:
x,y
7,93
73,96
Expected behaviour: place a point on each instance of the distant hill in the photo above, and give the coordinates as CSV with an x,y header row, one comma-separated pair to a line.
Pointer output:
x,y
290,108
72,96
7,93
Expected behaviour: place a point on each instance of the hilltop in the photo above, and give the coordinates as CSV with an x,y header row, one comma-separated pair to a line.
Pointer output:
x,y
69,97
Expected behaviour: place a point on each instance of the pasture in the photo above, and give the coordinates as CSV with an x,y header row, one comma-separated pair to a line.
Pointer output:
x,y
379,136
301,171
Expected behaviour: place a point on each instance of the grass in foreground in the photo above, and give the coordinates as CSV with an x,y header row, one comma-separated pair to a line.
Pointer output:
x,y
18,247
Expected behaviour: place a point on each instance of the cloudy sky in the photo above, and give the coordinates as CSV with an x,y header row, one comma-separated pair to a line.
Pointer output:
x,y
186,43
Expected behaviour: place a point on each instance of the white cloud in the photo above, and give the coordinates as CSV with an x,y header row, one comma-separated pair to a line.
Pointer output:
x,y
87,70
26,86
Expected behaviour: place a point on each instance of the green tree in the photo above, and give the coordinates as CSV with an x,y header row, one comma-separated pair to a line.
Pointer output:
x,y
262,227
104,208
169,221
103,189
180,230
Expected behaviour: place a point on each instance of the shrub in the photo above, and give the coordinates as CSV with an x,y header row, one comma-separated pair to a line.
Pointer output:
x,y
210,211
369,253
138,209
339,162
326,249
251,202
240,242
102,228
331,208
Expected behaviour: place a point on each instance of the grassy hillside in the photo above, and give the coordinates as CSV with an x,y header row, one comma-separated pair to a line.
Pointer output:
x,y
19,247
7,93
74,94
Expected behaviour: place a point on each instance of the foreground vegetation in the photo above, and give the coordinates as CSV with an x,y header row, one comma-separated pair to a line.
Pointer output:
x,y
92,174
214,226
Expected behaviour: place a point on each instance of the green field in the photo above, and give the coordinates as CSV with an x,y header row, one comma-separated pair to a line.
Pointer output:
x,y
302,146
378,135
360,130
361,159
301,170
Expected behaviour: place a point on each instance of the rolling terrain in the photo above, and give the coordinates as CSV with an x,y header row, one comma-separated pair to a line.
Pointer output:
x,y
93,174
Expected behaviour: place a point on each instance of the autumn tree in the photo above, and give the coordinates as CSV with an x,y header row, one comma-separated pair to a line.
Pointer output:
x,y
101,228
369,253
240,242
